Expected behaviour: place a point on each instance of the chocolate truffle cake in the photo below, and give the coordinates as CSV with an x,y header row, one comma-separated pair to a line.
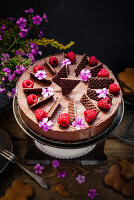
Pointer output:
x,y
68,97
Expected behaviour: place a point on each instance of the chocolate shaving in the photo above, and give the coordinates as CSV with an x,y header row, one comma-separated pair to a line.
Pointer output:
x,y
45,79
54,107
29,90
81,65
52,70
40,101
62,73
95,70
87,103
71,110
93,95
67,85
99,83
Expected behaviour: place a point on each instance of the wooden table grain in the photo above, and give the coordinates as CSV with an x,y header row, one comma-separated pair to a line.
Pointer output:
x,y
114,149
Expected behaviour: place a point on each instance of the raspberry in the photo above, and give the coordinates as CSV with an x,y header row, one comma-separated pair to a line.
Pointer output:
x,y
64,119
53,61
93,61
90,115
103,73
37,68
114,89
71,56
104,104
40,114
27,84
31,99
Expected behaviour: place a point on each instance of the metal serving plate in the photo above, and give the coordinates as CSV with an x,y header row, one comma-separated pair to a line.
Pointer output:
x,y
78,144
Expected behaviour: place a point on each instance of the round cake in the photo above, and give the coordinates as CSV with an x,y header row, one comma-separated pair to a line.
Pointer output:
x,y
79,95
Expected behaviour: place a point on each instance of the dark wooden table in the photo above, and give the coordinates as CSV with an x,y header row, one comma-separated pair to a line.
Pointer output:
x,y
114,149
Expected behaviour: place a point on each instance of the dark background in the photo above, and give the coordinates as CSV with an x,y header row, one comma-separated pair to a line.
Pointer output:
x,y
104,29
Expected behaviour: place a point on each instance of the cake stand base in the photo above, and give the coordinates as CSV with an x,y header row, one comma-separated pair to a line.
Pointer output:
x,y
44,154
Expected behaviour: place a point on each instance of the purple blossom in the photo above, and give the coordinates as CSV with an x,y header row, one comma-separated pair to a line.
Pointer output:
x,y
102,93
40,74
37,20
3,27
35,48
0,37
78,123
30,10
23,33
3,79
2,90
33,45
5,57
10,18
11,77
7,71
85,74
47,91
38,168
61,174
22,23
11,94
55,163
45,17
80,179
20,53
20,69
31,56
45,124
65,62
92,193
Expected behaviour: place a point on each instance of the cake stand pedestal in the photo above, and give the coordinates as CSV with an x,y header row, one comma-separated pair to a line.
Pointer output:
x,y
43,150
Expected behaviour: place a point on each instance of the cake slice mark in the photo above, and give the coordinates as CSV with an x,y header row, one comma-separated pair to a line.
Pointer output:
x,y
87,103
67,85
99,83
40,101
48,80
93,95
62,73
95,70
50,68
81,65
71,110
29,90
54,106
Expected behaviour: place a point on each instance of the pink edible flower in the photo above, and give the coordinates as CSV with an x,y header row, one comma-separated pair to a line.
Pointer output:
x,y
40,74
61,174
102,93
78,123
65,62
38,168
47,91
45,124
80,179
56,163
85,74
92,193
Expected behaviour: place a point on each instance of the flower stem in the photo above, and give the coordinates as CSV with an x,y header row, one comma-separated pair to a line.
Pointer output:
x,y
13,43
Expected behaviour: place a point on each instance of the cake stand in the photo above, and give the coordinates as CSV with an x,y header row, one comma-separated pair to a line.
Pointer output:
x,y
91,151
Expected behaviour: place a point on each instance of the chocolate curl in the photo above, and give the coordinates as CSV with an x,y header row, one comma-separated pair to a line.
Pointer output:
x,y
81,65
67,85
87,103
40,101
95,70
31,90
45,79
71,110
99,83
54,107
62,73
